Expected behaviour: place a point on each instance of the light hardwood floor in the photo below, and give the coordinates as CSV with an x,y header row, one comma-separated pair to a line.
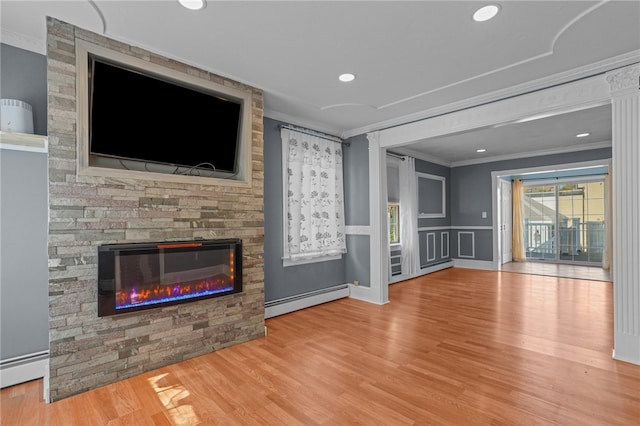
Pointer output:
x,y
456,347
559,270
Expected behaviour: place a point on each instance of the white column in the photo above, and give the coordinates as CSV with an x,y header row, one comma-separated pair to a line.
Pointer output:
x,y
625,99
377,213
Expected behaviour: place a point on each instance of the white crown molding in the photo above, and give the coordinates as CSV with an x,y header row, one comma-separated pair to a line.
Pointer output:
x,y
296,121
420,156
531,86
559,150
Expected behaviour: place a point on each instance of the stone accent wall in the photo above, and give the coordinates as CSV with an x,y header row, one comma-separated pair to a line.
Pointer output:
x,y
87,351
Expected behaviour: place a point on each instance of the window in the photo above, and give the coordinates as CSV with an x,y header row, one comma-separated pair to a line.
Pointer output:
x,y
313,203
565,221
393,214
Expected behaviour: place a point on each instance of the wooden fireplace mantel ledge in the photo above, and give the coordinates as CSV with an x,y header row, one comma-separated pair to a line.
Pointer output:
x,y
23,141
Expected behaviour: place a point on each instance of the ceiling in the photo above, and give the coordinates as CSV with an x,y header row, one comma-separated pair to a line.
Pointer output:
x,y
411,59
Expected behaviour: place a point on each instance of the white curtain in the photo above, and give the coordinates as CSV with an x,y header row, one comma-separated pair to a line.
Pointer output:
x,y
313,198
409,216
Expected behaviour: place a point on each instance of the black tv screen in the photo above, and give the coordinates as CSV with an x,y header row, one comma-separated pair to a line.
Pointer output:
x,y
142,117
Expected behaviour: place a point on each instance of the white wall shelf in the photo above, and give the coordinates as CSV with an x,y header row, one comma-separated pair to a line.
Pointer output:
x,y
23,141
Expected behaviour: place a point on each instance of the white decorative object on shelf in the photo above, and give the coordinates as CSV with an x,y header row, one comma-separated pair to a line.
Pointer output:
x,y
16,116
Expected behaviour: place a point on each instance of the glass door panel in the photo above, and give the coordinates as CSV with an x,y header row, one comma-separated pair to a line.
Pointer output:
x,y
594,222
540,222
565,222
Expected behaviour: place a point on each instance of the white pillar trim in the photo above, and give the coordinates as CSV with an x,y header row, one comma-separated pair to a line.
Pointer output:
x,y
625,176
377,254
624,80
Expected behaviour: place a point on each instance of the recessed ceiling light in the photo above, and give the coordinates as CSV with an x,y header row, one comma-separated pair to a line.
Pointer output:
x,y
485,13
582,135
346,77
193,4
481,150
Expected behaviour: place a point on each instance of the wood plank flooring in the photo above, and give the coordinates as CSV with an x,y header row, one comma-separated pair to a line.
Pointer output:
x,y
559,270
456,347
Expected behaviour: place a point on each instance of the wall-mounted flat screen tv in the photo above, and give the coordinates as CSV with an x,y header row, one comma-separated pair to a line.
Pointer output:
x,y
141,118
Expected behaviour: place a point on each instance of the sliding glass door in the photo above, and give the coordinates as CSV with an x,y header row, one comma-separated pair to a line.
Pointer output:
x,y
565,221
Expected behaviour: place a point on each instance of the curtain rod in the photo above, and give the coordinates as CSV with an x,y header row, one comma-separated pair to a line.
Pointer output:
x,y
393,154
314,133
563,179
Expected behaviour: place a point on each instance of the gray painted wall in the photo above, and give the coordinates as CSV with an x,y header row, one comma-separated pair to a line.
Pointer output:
x,y
281,282
393,184
24,273
356,200
438,170
431,247
482,248
471,185
471,193
358,263
356,181
24,77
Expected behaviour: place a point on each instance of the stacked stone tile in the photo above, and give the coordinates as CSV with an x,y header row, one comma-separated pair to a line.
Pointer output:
x,y
87,351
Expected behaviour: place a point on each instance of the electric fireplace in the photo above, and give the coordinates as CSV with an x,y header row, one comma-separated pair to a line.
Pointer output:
x,y
138,276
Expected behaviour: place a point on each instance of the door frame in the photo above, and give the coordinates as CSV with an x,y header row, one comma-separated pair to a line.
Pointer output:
x,y
498,175
504,218
557,259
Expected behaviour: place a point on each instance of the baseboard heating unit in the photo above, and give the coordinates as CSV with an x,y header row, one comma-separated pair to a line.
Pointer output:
x,y
438,266
23,368
293,303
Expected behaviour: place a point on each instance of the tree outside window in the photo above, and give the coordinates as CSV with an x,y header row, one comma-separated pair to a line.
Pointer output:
x,y
393,214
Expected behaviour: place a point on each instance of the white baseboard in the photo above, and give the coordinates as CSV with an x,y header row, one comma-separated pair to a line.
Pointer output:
x,y
436,268
291,304
365,294
423,271
630,360
474,264
360,293
24,368
627,348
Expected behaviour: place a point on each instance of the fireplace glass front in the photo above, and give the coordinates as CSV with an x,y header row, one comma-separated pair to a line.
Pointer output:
x,y
139,276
